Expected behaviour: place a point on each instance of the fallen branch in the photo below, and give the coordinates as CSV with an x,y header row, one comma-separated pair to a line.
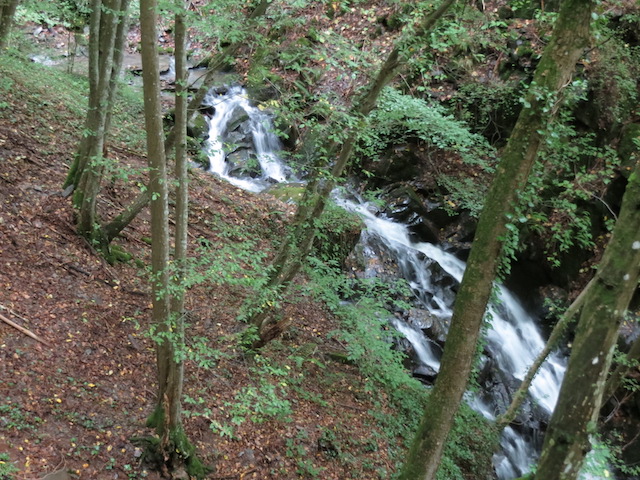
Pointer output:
x,y
29,333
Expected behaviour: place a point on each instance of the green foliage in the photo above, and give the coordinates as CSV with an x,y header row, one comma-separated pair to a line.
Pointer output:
x,y
566,186
599,461
610,453
73,14
489,109
470,446
337,232
613,82
367,336
462,193
265,401
400,118
6,84
621,359
22,80
296,449
13,416
7,469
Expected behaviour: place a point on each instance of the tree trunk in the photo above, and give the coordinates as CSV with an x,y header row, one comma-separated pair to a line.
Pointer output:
x,y
7,12
575,416
182,199
299,241
91,164
174,447
108,26
570,37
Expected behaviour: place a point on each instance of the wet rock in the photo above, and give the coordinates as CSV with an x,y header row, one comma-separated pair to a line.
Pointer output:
x,y
405,206
459,235
238,117
425,374
433,326
243,163
369,259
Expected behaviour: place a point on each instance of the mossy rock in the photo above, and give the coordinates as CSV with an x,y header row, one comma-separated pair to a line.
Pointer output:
x,y
338,234
117,254
198,127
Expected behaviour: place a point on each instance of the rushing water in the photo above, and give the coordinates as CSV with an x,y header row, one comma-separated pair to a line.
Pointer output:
x,y
265,143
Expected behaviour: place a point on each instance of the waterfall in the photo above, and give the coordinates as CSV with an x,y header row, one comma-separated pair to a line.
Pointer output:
x,y
513,340
253,134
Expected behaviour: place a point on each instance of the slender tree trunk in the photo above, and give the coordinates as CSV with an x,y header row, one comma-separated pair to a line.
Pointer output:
x,y
570,37
118,58
157,188
108,26
89,175
7,11
297,246
575,416
182,195
90,125
175,449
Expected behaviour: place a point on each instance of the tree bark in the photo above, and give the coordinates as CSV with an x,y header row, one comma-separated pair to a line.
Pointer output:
x,y
182,201
7,12
175,449
570,37
108,26
575,416
90,164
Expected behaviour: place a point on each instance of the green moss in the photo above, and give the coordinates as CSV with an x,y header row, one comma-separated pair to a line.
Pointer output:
x,y
118,255
178,453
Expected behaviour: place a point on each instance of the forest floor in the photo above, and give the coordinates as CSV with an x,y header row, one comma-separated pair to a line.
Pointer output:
x,y
72,401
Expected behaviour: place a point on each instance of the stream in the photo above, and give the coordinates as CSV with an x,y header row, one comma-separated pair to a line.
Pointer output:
x,y
243,149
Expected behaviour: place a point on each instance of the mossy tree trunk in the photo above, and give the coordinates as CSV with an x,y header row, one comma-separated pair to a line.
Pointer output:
x,y
174,448
576,414
7,12
107,33
299,240
570,38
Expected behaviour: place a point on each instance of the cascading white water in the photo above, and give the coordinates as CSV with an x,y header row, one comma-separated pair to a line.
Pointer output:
x,y
513,338
265,142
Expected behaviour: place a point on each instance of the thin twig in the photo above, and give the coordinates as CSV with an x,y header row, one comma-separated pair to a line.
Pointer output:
x,y
29,333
